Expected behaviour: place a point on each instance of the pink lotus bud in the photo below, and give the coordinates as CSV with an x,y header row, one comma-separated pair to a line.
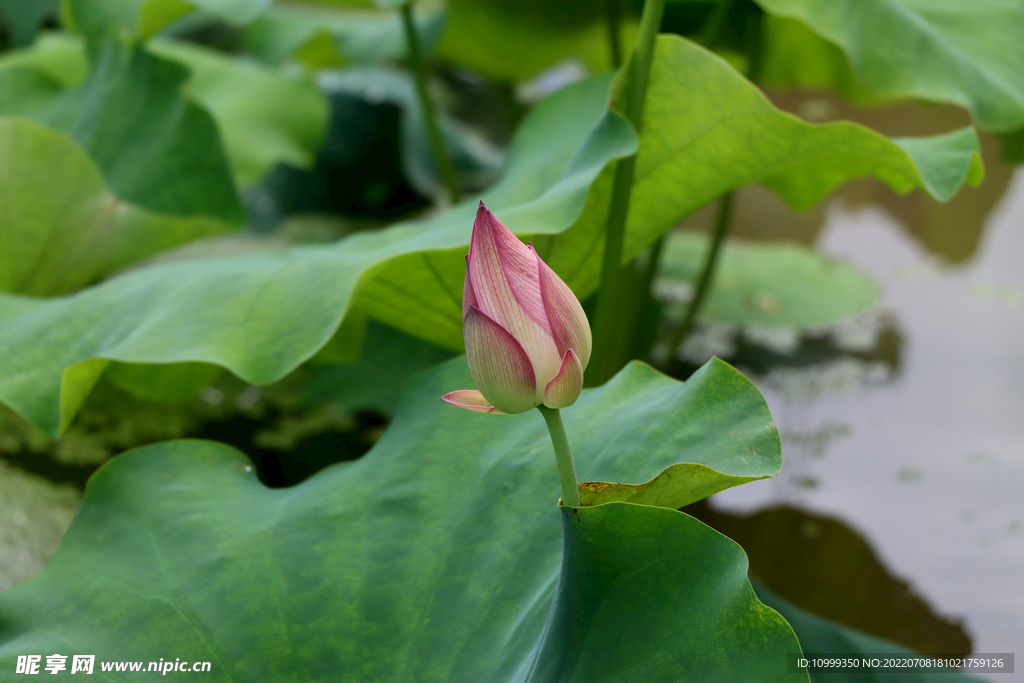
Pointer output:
x,y
527,337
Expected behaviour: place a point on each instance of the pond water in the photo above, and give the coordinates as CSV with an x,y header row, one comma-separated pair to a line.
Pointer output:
x,y
900,507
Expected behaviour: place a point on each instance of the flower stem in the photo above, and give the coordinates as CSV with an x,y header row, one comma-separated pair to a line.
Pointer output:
x,y
563,456
706,277
609,345
434,137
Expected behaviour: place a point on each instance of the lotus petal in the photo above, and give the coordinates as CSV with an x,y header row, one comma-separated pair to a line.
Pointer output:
x,y
564,388
471,399
468,298
500,367
567,321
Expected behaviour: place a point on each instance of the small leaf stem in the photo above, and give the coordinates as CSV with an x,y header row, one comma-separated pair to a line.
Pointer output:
x,y
608,344
651,266
563,456
434,136
612,12
712,30
706,277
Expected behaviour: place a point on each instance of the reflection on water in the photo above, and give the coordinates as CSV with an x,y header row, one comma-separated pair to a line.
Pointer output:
x,y
822,565
864,350
907,445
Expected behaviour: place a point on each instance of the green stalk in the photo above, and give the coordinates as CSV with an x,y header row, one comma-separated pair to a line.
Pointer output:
x,y
611,349
563,456
434,136
612,12
706,277
712,30
651,266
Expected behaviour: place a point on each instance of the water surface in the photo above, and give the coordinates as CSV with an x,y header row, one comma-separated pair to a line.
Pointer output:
x,y
905,429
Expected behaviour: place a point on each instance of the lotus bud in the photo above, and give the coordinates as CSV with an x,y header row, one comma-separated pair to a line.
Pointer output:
x,y
527,337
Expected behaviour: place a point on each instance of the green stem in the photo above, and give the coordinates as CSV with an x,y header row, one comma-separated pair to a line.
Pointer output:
x,y
712,30
563,456
434,137
612,12
608,345
608,309
706,277
651,266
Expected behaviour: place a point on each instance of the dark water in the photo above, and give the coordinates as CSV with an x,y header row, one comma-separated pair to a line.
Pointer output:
x,y
900,508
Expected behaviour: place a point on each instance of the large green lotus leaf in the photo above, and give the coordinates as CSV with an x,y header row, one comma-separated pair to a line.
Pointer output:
x,y
260,315
60,57
514,40
783,285
61,227
794,56
25,91
265,117
695,148
156,149
143,18
966,52
271,311
821,636
435,557
676,487
23,17
374,380
327,36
